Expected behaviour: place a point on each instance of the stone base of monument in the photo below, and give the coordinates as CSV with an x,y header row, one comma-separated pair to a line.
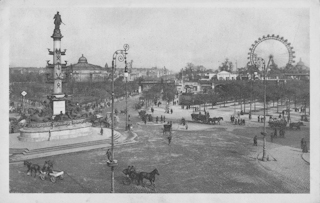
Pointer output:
x,y
34,134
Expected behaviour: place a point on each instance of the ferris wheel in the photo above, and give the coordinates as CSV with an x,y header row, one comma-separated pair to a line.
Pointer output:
x,y
271,45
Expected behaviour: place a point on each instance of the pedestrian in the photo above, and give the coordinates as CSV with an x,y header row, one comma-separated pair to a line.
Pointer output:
x,y
129,117
171,111
49,135
157,119
259,118
145,119
164,119
250,116
305,147
255,140
272,136
12,129
169,139
301,144
101,131
108,153
244,122
280,115
161,119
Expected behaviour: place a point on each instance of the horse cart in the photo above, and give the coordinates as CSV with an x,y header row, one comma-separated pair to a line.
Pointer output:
x,y
205,118
167,128
53,175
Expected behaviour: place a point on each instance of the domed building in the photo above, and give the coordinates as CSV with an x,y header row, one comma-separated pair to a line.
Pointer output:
x,y
86,72
300,66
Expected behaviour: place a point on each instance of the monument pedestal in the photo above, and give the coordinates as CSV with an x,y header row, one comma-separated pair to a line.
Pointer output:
x,y
55,133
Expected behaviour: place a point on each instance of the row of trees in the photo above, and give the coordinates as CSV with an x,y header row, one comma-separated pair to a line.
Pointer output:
x,y
193,72
293,91
36,87
162,91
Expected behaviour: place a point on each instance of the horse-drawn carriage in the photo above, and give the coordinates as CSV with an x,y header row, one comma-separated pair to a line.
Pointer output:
x,y
205,118
167,128
53,175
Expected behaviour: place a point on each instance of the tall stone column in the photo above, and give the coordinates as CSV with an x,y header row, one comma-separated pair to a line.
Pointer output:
x,y
57,77
57,69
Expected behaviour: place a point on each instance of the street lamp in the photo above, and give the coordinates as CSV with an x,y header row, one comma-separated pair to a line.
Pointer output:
x,y
126,74
121,56
252,78
264,154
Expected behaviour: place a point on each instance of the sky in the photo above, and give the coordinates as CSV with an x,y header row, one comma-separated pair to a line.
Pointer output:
x,y
167,37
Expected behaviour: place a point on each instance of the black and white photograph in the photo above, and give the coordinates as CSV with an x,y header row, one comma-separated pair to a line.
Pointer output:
x,y
205,101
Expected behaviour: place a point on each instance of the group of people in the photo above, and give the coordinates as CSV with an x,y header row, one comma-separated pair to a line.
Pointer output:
x,y
237,120
169,111
261,119
162,119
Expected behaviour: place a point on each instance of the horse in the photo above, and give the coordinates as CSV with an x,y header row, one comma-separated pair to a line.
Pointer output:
x,y
215,119
131,173
149,176
32,167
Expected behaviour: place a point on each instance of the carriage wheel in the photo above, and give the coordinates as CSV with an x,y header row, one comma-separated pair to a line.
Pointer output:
x,y
127,181
42,177
53,179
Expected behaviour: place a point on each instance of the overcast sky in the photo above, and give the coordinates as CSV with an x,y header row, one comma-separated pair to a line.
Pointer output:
x,y
170,37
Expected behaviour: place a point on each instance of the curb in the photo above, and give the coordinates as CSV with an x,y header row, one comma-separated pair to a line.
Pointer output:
x,y
85,146
302,156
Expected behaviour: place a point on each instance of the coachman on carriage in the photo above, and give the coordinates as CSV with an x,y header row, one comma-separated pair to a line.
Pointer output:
x,y
167,128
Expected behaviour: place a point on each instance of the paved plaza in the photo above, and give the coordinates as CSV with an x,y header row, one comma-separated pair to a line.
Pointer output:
x,y
203,159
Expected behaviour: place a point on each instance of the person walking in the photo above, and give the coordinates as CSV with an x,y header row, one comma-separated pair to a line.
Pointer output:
x,y
259,118
101,131
169,139
171,111
255,140
301,143
49,135
108,153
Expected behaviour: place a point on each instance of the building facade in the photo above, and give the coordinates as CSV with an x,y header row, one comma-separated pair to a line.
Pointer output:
x,y
86,72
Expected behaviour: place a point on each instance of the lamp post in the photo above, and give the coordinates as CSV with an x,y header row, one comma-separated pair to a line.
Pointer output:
x,y
126,74
119,55
251,80
264,153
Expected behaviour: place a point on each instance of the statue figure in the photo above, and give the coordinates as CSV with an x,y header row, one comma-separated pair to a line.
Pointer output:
x,y
57,20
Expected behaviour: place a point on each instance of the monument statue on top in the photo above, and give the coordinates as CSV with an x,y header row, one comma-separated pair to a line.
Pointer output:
x,y
57,20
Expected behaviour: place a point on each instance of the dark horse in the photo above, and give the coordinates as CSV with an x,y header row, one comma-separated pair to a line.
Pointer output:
x,y
32,167
131,173
215,119
149,176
